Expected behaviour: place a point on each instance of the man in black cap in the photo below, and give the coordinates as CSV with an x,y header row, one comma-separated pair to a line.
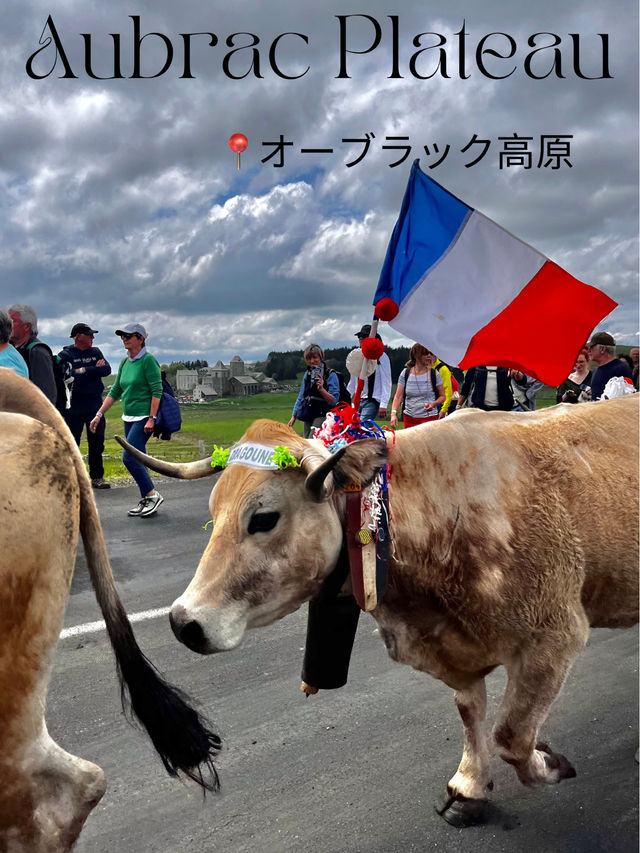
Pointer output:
x,y
88,366
602,349
377,388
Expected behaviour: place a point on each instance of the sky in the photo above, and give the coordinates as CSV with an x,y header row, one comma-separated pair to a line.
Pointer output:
x,y
121,200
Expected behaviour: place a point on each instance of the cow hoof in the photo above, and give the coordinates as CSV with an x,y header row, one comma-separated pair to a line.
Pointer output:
x,y
461,811
561,766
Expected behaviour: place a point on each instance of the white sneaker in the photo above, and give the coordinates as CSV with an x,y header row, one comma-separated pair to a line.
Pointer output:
x,y
136,510
151,504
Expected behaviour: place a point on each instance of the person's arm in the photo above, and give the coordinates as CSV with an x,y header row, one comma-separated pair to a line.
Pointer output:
x,y
534,386
296,405
99,415
430,406
385,384
153,414
154,379
331,393
100,368
397,399
41,372
465,390
326,395
445,375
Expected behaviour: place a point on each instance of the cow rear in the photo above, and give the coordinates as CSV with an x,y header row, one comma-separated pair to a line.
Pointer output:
x,y
46,793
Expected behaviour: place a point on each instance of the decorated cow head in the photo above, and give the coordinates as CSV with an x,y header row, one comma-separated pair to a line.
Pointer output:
x,y
277,531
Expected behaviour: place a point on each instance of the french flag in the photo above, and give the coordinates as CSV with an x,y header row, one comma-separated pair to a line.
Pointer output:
x,y
475,294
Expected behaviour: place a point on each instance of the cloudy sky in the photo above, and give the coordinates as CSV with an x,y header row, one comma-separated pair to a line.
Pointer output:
x,y
121,199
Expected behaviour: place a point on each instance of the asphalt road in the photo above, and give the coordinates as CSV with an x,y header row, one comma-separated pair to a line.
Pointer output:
x,y
358,769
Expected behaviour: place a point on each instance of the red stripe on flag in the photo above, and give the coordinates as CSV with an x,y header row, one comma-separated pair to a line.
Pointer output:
x,y
541,331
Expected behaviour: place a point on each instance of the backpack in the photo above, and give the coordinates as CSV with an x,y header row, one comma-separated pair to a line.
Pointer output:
x,y
61,375
344,396
169,418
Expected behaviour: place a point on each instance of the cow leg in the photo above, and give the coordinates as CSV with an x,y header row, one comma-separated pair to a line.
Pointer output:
x,y
465,799
534,681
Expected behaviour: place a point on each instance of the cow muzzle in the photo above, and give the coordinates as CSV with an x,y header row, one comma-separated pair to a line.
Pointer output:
x,y
207,631
187,631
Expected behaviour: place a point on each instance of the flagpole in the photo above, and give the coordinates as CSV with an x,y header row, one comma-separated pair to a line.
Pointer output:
x,y
364,370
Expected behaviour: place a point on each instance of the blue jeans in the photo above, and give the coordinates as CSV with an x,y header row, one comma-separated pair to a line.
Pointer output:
x,y
137,437
369,410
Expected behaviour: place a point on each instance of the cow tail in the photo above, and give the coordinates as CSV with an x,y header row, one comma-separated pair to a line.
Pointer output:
x,y
180,735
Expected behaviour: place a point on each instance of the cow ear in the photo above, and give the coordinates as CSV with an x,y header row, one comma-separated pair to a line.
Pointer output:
x,y
356,463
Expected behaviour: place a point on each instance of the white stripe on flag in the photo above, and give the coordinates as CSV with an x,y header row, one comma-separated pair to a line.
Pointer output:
x,y
484,270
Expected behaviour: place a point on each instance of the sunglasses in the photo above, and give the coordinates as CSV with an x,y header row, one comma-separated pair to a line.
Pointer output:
x,y
127,337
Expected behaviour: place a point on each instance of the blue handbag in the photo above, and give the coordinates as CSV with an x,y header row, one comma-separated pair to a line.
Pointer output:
x,y
169,418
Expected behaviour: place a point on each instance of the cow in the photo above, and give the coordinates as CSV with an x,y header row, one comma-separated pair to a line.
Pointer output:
x,y
507,545
46,501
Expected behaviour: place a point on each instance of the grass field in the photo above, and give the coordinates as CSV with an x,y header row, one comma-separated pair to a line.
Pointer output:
x,y
221,422
203,425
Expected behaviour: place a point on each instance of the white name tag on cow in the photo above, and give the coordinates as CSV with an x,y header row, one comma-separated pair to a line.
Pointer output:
x,y
253,455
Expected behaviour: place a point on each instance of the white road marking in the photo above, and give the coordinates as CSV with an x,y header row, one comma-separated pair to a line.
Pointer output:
x,y
92,627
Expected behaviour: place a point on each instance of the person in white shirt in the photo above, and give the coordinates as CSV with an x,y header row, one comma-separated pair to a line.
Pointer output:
x,y
377,388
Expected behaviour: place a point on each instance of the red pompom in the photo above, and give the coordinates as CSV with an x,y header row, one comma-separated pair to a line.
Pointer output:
x,y
372,348
386,309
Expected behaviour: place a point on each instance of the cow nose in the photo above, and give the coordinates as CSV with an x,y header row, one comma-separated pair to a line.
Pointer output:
x,y
188,631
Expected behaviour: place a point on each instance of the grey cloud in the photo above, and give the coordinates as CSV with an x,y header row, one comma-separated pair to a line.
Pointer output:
x,y
121,198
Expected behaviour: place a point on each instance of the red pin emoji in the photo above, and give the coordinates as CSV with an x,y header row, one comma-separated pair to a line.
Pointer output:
x,y
238,142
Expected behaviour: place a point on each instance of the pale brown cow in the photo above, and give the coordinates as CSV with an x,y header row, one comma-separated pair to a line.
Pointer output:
x,y
508,543
45,500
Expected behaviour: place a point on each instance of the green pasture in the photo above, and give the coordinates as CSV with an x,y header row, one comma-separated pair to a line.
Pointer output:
x,y
221,422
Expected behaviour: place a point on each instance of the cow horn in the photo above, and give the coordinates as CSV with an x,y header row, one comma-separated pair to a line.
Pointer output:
x,y
179,470
316,478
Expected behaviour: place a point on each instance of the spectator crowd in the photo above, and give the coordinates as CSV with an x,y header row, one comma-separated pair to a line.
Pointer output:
x,y
427,389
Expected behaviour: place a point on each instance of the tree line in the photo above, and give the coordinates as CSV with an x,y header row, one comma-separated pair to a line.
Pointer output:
x,y
283,366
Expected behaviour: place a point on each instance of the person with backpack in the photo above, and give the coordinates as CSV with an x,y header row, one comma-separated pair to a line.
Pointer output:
x,y
139,383
420,391
37,355
87,367
487,387
450,385
319,391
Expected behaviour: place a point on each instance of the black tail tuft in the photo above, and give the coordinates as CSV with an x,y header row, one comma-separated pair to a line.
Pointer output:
x,y
181,736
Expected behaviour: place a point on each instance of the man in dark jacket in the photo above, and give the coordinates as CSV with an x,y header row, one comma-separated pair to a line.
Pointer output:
x,y
88,366
37,355
487,388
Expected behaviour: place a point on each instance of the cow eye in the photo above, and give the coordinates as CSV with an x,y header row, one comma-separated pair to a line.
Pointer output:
x,y
261,522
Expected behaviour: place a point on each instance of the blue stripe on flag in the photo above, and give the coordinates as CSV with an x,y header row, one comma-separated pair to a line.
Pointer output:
x,y
429,221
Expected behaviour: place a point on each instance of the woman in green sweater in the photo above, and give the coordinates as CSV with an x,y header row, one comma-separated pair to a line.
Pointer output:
x,y
139,383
